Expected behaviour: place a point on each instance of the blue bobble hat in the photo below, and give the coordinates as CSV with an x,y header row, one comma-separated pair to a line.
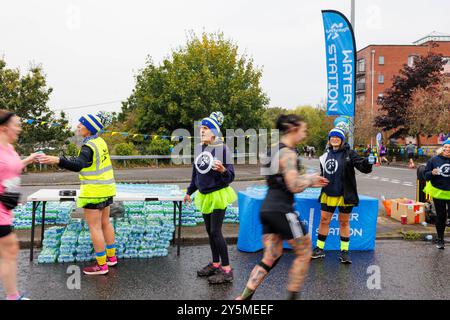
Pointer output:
x,y
336,132
96,123
446,142
213,122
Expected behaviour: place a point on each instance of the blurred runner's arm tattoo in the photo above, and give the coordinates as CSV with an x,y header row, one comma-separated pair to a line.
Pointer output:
x,y
288,165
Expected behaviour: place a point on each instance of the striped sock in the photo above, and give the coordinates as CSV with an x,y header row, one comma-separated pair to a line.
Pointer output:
x,y
101,258
321,241
345,243
111,250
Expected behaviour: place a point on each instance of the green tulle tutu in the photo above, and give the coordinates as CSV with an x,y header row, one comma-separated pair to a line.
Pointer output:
x,y
217,200
436,193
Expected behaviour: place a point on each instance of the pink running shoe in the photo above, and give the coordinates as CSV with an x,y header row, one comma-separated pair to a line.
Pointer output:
x,y
111,261
96,269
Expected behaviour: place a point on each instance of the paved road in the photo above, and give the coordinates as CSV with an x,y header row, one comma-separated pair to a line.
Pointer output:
x,y
175,174
408,270
392,182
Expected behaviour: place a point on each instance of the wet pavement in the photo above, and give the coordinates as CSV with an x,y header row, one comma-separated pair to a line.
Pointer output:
x,y
408,270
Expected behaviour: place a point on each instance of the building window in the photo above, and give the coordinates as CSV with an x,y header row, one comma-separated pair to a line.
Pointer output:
x,y
411,60
361,84
380,78
381,60
361,65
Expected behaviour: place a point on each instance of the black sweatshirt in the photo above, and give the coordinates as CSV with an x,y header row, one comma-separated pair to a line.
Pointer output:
x,y
76,164
441,181
333,171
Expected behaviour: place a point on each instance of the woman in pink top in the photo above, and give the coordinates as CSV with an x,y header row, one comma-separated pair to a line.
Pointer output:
x,y
10,170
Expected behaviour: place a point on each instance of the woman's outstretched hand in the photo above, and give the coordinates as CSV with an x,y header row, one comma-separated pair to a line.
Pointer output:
x,y
318,181
49,160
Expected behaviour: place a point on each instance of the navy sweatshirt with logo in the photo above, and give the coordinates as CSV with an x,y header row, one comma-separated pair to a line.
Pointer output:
x,y
204,178
441,181
333,171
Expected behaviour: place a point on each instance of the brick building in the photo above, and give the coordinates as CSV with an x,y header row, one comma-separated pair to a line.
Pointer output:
x,y
378,64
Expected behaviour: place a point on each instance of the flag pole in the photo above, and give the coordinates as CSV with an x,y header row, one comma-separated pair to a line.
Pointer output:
x,y
352,119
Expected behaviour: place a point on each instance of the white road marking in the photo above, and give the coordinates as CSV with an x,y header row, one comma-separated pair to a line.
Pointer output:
x,y
397,168
395,181
408,184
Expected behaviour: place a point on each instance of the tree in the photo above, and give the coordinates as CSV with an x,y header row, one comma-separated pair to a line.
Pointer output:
x,y
72,149
27,95
430,110
205,75
364,128
159,147
271,115
319,124
125,149
397,99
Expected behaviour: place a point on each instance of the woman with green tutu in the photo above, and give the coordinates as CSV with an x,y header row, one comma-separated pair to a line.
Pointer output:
x,y
212,174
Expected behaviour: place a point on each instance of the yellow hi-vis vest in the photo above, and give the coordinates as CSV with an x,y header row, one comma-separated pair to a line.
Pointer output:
x,y
97,181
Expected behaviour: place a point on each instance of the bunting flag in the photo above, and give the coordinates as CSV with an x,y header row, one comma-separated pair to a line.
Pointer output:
x,y
43,123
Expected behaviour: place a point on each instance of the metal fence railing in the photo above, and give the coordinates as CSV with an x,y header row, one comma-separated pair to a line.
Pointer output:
x,y
244,158
251,157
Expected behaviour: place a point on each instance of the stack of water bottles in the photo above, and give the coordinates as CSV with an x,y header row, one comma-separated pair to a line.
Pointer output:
x,y
55,213
51,245
69,240
145,230
232,215
84,249
136,237
191,216
153,189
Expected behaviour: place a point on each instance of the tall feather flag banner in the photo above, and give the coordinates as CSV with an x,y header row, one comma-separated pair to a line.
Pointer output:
x,y
341,72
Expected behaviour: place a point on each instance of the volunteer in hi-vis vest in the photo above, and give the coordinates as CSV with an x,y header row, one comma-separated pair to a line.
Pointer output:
x,y
97,188
437,174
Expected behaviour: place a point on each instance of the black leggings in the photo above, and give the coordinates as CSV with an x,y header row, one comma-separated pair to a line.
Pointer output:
x,y
442,212
213,224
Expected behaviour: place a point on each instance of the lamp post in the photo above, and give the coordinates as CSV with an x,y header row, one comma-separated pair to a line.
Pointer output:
x,y
372,71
